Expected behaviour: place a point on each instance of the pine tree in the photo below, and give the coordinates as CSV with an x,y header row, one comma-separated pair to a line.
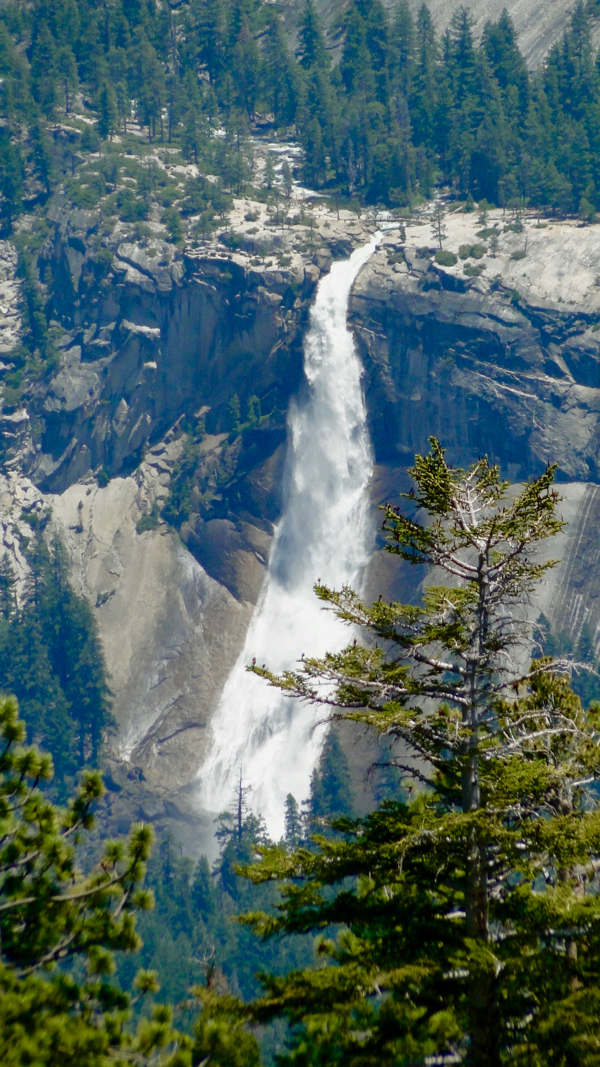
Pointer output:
x,y
505,60
246,60
312,42
204,896
331,790
175,103
51,658
43,68
356,65
108,112
11,180
468,933
402,50
293,822
377,38
66,68
77,657
209,27
438,227
43,155
281,78
60,928
8,589
424,97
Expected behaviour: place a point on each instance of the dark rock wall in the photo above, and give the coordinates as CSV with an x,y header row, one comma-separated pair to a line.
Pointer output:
x,y
145,341
479,368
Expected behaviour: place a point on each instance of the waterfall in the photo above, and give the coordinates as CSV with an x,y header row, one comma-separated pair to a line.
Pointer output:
x,y
325,534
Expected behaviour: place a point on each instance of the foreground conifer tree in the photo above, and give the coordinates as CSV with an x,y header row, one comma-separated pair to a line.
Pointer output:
x,y
59,928
468,918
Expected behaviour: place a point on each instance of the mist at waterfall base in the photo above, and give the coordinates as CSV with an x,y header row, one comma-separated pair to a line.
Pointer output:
x,y
325,533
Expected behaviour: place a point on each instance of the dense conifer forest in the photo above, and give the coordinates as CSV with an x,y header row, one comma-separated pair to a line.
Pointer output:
x,y
404,111
51,659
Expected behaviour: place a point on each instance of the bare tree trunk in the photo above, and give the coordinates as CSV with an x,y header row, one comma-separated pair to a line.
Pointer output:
x,y
484,1048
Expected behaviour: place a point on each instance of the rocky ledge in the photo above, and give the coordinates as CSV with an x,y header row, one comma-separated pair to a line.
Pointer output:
x,y
498,353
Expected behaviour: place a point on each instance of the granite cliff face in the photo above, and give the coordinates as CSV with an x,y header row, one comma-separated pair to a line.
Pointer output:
x,y
505,361
134,359
154,346
499,353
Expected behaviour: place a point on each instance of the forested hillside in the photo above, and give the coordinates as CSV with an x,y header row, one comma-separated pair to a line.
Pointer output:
x,y
101,103
51,659
402,113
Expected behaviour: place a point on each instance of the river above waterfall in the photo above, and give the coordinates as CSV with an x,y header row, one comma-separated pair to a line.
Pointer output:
x,y
325,534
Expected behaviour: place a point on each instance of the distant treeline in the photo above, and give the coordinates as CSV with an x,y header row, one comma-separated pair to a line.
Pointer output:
x,y
407,111
402,112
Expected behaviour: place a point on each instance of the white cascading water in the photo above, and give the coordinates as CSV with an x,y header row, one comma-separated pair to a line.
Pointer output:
x,y
325,534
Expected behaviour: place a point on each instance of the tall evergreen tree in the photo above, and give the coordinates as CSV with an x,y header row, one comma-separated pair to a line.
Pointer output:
x,y
331,790
313,52
468,933
281,78
66,69
506,62
293,822
11,180
43,67
108,111
402,50
60,928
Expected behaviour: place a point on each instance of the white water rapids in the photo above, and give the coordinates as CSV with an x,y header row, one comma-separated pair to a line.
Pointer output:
x,y
325,534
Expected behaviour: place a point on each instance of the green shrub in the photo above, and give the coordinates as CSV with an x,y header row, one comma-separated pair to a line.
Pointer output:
x,y
474,270
102,262
519,255
476,251
131,206
10,397
149,521
169,195
83,196
445,259
90,141
172,220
